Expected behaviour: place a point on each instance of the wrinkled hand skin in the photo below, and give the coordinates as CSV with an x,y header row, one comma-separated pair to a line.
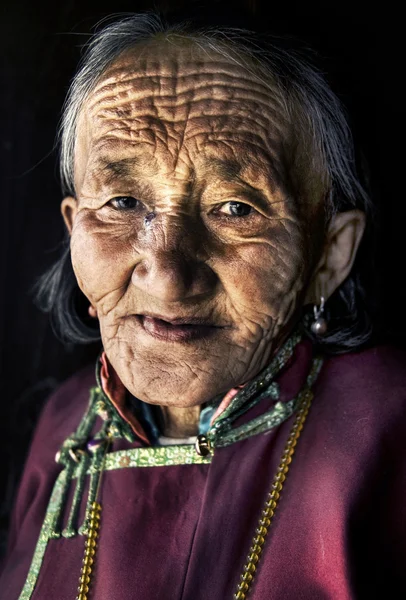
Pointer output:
x,y
186,134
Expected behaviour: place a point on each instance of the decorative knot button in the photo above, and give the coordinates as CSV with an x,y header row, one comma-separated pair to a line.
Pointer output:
x,y
202,445
94,445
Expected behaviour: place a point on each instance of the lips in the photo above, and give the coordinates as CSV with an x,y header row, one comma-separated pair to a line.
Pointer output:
x,y
177,329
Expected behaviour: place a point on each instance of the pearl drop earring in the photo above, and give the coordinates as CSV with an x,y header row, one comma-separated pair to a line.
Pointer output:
x,y
319,325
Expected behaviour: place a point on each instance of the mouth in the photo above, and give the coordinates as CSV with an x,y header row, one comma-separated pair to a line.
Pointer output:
x,y
176,329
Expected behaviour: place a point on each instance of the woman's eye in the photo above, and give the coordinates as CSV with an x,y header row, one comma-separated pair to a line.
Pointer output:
x,y
124,202
236,209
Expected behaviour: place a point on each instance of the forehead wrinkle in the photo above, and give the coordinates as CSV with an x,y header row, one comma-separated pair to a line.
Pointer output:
x,y
117,92
149,75
234,130
152,114
193,103
162,68
166,103
158,85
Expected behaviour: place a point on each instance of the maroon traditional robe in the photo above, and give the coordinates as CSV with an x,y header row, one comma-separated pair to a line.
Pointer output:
x,y
183,531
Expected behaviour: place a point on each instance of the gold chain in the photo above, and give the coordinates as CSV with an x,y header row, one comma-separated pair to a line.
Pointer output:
x,y
271,502
92,532
90,550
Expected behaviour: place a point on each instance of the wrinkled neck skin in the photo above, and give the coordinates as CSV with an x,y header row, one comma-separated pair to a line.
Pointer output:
x,y
180,422
207,149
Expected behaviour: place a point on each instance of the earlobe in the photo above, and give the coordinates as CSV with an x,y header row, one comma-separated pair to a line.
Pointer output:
x,y
69,211
342,240
92,311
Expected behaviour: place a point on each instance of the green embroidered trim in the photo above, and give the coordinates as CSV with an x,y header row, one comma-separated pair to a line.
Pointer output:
x,y
44,537
279,413
81,473
162,456
263,384
157,456
95,469
274,417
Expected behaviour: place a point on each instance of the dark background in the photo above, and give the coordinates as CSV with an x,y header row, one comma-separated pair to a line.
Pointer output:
x,y
40,48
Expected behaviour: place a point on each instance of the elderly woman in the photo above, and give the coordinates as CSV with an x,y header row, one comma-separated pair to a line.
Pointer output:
x,y
232,445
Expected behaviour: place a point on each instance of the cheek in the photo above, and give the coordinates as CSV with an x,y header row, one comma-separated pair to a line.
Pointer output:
x,y
265,278
101,260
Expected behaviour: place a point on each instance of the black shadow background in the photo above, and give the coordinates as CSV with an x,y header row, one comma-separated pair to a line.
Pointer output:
x,y
40,48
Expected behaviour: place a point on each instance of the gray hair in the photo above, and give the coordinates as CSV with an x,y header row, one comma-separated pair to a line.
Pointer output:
x,y
319,118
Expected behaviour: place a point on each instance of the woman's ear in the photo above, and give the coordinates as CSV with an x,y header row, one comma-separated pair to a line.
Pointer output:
x,y
69,209
341,243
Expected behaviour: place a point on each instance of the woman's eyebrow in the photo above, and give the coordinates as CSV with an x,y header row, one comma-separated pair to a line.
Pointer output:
x,y
124,167
121,167
224,166
233,170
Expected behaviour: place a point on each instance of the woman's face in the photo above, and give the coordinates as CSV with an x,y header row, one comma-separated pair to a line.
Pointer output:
x,y
183,211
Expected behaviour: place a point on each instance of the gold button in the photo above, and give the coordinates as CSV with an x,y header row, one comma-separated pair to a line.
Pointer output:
x,y
203,447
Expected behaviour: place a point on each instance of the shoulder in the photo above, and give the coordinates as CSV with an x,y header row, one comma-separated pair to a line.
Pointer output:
x,y
64,410
374,368
372,375
70,397
60,417
364,393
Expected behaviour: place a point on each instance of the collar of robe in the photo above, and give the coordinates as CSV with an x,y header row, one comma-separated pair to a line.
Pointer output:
x,y
280,390
239,415
227,424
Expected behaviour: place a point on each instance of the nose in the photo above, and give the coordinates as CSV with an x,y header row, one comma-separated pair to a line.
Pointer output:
x,y
171,269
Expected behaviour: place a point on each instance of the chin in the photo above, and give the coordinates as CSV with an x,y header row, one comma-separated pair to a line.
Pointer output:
x,y
173,393
178,387
172,374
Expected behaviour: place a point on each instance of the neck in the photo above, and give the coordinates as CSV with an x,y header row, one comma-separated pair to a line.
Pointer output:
x,y
180,422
